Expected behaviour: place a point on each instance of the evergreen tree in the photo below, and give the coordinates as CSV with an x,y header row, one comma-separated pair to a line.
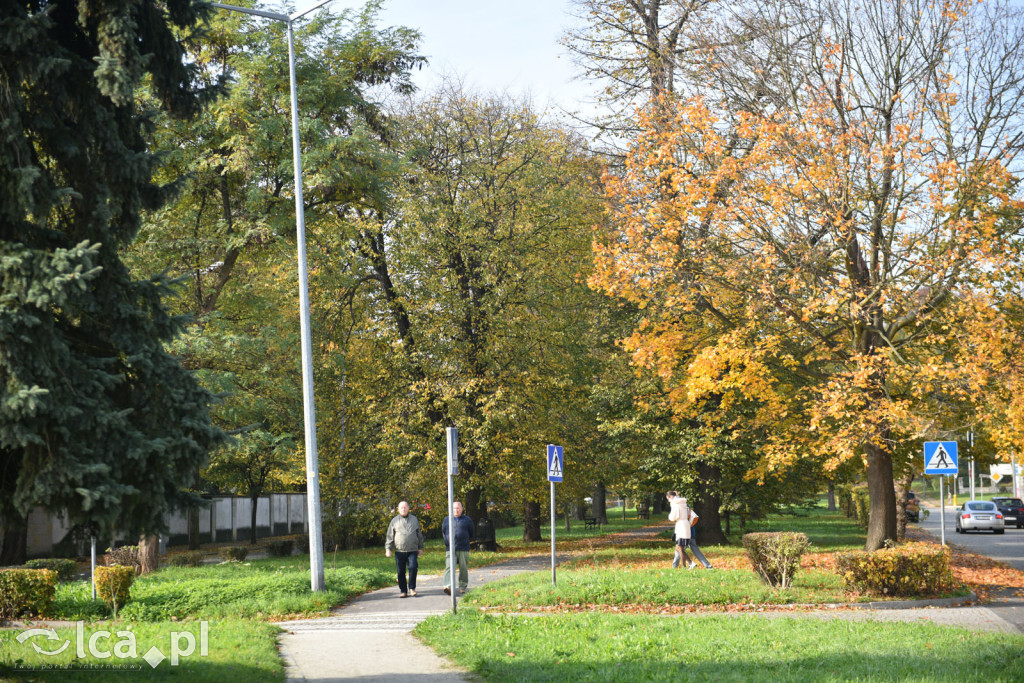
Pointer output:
x,y
96,418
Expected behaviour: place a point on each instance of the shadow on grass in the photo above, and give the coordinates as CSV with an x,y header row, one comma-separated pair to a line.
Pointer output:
x,y
195,669
838,667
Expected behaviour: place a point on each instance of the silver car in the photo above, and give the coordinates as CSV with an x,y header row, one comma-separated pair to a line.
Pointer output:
x,y
975,515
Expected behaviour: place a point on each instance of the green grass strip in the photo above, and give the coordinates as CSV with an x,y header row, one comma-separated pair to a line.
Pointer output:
x,y
602,647
237,651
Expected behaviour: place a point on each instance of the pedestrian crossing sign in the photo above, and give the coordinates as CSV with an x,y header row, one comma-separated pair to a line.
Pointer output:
x,y
940,457
555,463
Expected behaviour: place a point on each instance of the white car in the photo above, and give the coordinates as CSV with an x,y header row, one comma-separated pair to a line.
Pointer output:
x,y
975,515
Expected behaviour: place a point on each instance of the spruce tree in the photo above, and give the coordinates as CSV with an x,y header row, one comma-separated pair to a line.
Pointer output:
x,y
97,419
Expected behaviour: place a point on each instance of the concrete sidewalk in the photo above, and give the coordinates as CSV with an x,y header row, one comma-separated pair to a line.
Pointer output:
x,y
371,638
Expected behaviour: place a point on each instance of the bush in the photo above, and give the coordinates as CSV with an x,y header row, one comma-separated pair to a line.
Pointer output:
x,y
234,553
280,548
913,569
65,568
26,592
776,556
125,556
191,558
114,584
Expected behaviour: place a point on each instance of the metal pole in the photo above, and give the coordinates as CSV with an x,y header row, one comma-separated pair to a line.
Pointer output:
x,y
942,508
93,565
552,534
1013,467
451,535
970,450
316,550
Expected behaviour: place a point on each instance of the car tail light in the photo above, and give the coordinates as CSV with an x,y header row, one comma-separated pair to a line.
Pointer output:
x,y
998,516
966,515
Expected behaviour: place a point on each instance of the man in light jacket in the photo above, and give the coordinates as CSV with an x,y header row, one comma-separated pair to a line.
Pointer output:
x,y
406,538
463,534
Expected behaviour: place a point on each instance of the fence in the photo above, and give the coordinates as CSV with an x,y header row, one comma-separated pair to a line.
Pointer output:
x,y
225,519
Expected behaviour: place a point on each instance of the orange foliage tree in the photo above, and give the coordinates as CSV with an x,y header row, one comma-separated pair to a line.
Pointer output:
x,y
836,254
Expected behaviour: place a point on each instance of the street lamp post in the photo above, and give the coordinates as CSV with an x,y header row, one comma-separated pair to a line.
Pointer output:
x,y
316,548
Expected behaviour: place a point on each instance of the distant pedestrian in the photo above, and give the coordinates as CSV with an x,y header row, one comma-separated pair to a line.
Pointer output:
x,y
462,534
406,538
685,519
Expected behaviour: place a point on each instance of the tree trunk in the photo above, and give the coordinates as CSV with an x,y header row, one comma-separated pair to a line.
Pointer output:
x,y
707,504
831,496
902,487
567,527
882,496
475,504
657,506
15,546
531,521
193,529
600,503
149,557
252,529
579,509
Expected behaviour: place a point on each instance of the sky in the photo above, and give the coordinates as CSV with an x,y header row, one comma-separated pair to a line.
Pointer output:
x,y
496,45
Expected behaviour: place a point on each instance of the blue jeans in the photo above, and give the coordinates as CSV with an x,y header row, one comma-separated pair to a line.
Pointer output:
x,y
683,543
410,560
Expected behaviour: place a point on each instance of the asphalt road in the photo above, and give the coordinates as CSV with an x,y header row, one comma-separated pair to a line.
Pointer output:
x,y
1007,547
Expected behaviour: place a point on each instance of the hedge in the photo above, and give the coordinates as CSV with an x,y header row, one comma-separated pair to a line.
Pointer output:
x,y
65,568
912,569
26,592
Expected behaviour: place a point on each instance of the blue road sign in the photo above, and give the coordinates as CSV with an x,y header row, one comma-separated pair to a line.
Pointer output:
x,y
555,463
940,457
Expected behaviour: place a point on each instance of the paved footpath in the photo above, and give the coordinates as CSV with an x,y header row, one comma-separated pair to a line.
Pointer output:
x,y
370,639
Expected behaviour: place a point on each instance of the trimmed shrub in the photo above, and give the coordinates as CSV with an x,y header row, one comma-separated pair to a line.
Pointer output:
x,y
913,569
26,592
125,556
191,558
234,553
65,568
114,584
280,548
776,556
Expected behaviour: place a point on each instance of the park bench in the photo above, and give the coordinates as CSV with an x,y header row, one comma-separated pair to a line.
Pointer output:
x,y
643,513
592,523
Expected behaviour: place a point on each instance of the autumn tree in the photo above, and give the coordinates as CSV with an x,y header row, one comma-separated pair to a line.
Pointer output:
x,y
472,271
822,254
229,236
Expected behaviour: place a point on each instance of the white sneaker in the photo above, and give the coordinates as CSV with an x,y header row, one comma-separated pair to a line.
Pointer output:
x,y
691,565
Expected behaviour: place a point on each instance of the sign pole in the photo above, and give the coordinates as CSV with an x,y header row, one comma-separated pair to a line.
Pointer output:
x,y
942,509
552,534
555,472
92,559
453,469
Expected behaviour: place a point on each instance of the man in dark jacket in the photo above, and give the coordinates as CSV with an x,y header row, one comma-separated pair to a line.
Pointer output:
x,y
462,535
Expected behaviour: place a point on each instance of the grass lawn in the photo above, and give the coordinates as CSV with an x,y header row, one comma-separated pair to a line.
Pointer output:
x,y
609,647
240,651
